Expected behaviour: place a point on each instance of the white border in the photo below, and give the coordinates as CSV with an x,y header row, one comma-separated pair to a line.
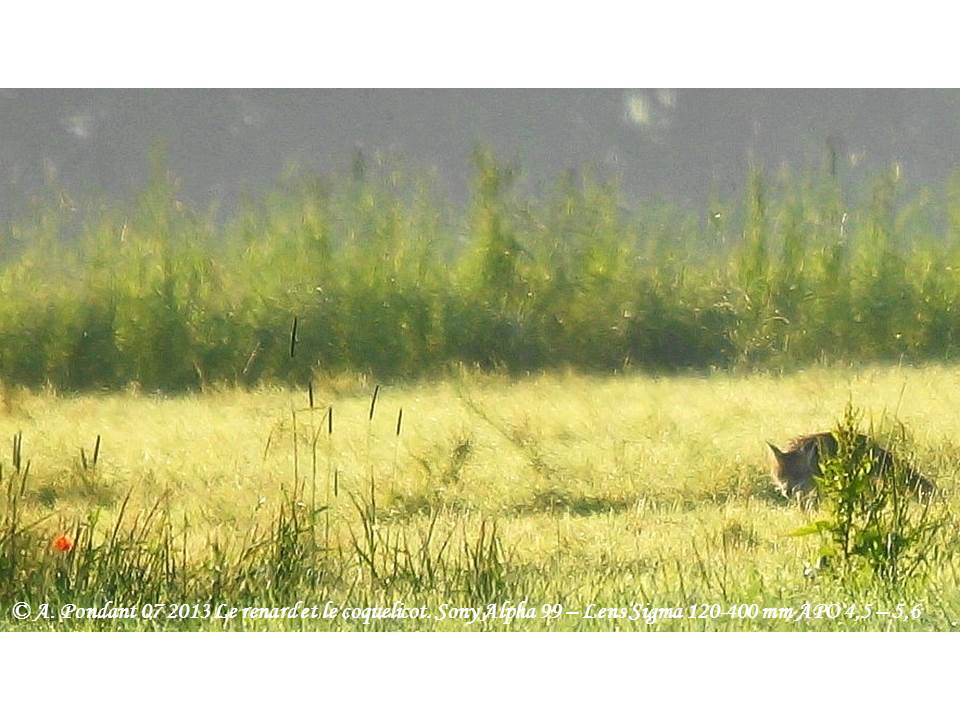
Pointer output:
x,y
498,43
473,675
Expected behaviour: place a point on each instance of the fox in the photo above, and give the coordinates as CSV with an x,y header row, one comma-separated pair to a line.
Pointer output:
x,y
795,468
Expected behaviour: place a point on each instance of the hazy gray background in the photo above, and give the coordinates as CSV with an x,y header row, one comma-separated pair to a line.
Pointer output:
x,y
681,145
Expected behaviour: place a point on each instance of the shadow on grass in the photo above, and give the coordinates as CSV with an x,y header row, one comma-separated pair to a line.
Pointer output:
x,y
423,503
559,500
751,486
77,490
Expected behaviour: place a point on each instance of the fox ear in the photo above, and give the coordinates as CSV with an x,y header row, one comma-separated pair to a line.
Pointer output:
x,y
777,452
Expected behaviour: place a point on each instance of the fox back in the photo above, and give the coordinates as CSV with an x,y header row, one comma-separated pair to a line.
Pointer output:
x,y
796,467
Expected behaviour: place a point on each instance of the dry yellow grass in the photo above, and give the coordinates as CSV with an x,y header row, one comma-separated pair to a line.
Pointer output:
x,y
601,487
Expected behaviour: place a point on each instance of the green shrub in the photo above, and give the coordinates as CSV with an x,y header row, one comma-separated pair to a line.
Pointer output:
x,y
876,523
389,279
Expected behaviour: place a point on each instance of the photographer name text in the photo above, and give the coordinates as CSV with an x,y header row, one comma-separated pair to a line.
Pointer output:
x,y
504,613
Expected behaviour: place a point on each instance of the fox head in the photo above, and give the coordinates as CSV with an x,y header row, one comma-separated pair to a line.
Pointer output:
x,y
793,470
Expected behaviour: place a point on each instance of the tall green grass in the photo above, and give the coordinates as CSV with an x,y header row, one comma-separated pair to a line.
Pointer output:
x,y
386,277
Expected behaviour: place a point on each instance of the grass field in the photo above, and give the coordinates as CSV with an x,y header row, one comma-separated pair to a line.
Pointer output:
x,y
555,490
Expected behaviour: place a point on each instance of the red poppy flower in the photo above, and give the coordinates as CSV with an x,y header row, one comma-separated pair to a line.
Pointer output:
x,y
61,543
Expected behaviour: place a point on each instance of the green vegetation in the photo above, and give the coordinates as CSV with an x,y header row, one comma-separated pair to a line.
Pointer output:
x,y
882,521
559,490
387,279
496,461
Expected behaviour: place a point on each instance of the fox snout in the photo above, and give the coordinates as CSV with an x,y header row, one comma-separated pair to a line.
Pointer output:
x,y
793,470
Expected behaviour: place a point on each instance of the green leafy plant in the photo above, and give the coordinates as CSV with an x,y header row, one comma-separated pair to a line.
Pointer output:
x,y
878,522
